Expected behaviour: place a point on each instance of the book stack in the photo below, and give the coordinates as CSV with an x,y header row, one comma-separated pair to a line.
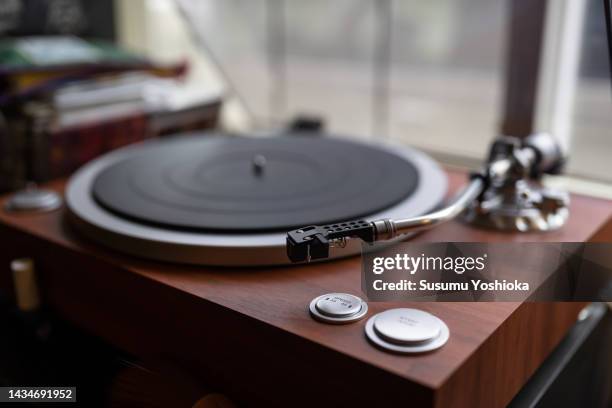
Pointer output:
x,y
65,101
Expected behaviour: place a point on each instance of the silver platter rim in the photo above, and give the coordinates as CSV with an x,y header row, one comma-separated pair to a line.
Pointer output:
x,y
217,249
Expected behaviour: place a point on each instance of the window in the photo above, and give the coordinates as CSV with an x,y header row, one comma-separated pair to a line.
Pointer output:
x,y
591,116
427,74
423,73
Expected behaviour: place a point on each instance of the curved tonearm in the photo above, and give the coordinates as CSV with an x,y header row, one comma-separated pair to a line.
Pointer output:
x,y
505,195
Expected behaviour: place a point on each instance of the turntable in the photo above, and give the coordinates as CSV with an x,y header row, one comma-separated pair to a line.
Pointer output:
x,y
214,200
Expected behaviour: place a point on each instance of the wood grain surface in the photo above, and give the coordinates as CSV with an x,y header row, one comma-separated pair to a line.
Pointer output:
x,y
247,331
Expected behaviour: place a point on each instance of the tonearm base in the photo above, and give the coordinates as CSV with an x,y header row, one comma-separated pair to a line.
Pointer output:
x,y
514,198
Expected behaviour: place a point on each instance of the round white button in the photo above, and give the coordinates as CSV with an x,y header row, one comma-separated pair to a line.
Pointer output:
x,y
338,308
405,326
339,305
34,199
407,331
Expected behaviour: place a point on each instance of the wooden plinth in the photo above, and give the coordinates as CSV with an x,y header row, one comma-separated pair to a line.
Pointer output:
x,y
247,332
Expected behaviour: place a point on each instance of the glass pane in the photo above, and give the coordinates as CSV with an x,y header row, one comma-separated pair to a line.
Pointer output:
x,y
423,73
592,116
447,74
234,34
329,72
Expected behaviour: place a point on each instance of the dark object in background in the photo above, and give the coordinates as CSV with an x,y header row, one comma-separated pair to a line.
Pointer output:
x,y
608,11
84,18
12,169
39,349
581,363
68,356
525,44
306,123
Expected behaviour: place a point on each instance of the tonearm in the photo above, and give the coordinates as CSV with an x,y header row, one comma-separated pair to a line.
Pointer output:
x,y
507,194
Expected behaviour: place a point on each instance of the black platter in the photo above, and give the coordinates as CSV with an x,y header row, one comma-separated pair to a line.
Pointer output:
x,y
238,184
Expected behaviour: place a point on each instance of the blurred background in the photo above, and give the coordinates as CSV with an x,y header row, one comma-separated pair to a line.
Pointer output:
x,y
429,74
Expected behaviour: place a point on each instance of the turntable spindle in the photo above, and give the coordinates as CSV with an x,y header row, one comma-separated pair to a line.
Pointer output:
x,y
259,164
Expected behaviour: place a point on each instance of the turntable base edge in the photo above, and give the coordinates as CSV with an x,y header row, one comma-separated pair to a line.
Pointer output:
x,y
205,316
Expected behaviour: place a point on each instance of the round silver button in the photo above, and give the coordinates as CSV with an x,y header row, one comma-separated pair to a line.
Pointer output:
x,y
407,331
406,326
34,199
338,304
338,308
